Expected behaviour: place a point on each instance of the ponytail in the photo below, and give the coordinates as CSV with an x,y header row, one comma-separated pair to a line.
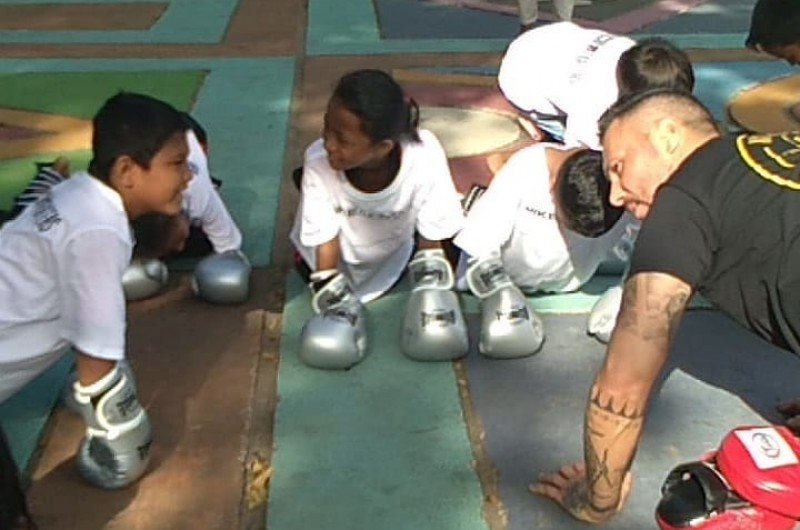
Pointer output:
x,y
378,101
412,124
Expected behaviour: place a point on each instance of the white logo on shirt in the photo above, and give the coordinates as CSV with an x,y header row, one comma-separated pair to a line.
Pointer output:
x,y
367,214
45,214
541,214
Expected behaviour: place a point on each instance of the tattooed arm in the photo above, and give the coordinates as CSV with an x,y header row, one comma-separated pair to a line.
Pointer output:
x,y
652,306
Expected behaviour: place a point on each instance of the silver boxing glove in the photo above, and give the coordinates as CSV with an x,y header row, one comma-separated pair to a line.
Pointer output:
x,y
603,316
116,448
510,328
223,278
144,278
335,338
433,327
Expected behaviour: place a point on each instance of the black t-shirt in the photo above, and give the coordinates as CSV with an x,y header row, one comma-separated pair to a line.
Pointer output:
x,y
728,223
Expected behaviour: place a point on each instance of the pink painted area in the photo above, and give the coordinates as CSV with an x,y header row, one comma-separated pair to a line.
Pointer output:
x,y
644,16
9,133
458,96
625,23
471,170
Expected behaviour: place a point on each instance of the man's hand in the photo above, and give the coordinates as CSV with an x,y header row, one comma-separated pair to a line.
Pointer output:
x,y
569,488
791,411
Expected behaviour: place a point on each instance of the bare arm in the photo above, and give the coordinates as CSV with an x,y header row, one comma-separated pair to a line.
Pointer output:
x,y
427,244
652,307
91,369
328,255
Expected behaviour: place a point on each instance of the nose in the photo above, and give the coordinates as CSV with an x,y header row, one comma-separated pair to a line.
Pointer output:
x,y
329,144
616,195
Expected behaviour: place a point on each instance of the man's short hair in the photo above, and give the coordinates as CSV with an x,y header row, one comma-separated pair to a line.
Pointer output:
x,y
774,23
654,63
582,195
683,107
135,125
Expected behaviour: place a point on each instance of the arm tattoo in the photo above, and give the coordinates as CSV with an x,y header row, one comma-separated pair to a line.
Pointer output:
x,y
649,309
608,426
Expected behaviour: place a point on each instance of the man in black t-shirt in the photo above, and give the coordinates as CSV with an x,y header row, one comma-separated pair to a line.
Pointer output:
x,y
721,216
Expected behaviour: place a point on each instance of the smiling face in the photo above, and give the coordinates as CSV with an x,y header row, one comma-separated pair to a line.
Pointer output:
x,y
159,188
635,165
347,145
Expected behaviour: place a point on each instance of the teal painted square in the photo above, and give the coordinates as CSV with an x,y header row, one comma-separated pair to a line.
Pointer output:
x,y
382,445
25,414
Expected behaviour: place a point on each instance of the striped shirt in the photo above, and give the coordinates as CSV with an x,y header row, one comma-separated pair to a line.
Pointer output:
x,y
46,178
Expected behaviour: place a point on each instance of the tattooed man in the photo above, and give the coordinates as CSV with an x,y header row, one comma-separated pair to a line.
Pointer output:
x,y
721,216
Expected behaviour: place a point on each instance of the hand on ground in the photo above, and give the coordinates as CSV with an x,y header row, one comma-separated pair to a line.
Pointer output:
x,y
569,488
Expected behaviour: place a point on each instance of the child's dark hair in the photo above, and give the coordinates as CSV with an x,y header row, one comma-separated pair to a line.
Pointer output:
x,y
774,23
134,125
582,195
380,104
654,63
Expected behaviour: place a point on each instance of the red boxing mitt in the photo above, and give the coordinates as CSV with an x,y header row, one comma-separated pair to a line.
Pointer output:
x,y
751,483
762,464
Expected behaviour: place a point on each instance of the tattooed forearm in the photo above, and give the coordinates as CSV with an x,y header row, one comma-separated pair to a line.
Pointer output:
x,y
610,438
651,306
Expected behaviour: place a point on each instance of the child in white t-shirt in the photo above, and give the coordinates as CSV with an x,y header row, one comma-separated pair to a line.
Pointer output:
x,y
374,188
547,217
61,264
204,226
517,217
562,77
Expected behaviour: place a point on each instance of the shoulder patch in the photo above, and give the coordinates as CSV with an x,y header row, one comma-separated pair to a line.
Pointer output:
x,y
775,157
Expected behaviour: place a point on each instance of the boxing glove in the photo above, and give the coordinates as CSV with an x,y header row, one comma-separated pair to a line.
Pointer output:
x,y
603,316
433,326
335,338
68,390
223,278
115,450
144,278
509,326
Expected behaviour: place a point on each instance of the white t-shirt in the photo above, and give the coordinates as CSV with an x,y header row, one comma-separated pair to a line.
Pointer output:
x,y
376,230
564,69
204,205
516,217
61,266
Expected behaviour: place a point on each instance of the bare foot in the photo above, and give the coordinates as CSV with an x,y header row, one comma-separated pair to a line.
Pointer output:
x,y
529,127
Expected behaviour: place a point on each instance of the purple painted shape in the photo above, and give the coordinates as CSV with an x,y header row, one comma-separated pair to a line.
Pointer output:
x,y
12,132
644,16
625,23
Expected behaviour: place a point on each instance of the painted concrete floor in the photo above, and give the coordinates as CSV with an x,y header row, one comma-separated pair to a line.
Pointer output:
x,y
247,437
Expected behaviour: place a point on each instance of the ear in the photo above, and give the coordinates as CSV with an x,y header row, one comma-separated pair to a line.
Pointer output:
x,y
666,137
384,147
124,172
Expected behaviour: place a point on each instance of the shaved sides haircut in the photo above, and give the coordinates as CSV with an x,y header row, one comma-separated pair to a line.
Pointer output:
x,y
661,103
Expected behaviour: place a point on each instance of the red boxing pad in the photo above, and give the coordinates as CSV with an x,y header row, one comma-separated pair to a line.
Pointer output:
x,y
762,465
697,497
